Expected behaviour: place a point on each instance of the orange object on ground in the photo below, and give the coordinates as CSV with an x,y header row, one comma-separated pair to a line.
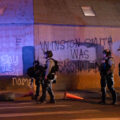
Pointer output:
x,y
71,96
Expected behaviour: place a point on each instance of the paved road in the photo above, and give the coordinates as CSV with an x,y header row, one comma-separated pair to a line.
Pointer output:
x,y
62,110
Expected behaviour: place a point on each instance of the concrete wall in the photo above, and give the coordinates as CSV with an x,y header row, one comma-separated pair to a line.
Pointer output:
x,y
77,49
47,13
75,45
69,12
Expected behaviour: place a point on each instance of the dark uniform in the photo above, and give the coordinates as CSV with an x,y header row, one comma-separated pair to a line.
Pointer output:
x,y
37,72
119,64
119,69
106,72
50,76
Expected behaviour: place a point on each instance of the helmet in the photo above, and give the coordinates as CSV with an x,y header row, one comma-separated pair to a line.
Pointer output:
x,y
107,52
49,53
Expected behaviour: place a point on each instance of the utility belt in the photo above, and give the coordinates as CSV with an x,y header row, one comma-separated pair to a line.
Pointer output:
x,y
38,80
52,77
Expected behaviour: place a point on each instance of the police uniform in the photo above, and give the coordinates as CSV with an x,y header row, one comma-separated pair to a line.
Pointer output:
x,y
119,63
107,79
37,72
48,82
39,76
102,69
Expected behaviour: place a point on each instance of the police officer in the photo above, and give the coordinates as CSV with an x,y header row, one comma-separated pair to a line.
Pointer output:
x,y
37,72
119,65
106,72
119,69
49,77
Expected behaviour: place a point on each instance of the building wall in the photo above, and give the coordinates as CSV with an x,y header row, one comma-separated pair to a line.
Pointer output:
x,y
16,34
59,25
69,12
16,43
77,49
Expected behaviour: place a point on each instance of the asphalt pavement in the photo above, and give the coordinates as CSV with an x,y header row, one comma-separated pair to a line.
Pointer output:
x,y
64,108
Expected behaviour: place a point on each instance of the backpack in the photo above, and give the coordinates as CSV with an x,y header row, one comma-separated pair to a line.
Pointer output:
x,y
55,68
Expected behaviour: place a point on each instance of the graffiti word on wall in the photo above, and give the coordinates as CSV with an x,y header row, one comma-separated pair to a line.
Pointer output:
x,y
76,66
103,41
8,62
72,55
72,50
67,44
76,54
83,53
21,81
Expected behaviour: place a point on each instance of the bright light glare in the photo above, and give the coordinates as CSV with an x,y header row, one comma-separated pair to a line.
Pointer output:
x,y
88,11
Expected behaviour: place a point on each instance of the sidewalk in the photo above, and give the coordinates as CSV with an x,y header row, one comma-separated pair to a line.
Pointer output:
x,y
27,95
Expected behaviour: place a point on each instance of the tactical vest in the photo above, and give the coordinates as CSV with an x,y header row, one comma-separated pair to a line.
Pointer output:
x,y
110,68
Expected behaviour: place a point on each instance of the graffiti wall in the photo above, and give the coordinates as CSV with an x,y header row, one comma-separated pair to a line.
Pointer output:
x,y
16,36
16,83
14,42
77,49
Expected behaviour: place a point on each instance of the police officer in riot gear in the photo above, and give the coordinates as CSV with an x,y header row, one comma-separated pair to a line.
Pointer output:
x,y
37,72
119,65
119,69
49,77
106,72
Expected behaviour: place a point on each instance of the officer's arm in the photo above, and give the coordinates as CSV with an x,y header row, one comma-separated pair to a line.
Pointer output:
x,y
119,69
49,67
111,65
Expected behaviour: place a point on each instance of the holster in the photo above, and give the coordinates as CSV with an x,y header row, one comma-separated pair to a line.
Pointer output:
x,y
51,76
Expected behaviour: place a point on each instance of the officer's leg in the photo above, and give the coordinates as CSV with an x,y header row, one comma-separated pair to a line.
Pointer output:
x,y
42,85
50,91
110,83
103,89
44,89
37,89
